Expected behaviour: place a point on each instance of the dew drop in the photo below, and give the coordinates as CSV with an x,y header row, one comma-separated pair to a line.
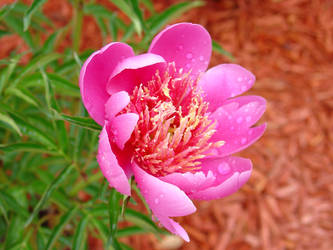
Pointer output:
x,y
156,201
239,79
243,88
189,55
188,65
248,118
250,81
201,58
193,60
180,47
161,195
239,119
206,62
250,132
223,168
115,132
232,128
243,140
229,117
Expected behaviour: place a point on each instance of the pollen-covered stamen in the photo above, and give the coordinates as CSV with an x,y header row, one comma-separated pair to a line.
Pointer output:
x,y
173,130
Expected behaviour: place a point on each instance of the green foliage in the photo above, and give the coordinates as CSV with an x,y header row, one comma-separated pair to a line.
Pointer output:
x,y
48,142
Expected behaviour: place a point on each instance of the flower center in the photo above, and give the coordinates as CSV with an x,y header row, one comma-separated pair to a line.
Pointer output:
x,y
173,129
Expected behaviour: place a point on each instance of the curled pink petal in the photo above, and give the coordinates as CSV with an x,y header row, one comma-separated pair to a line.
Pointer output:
x,y
190,182
94,76
122,127
234,120
133,71
164,199
230,172
116,103
109,164
188,45
224,81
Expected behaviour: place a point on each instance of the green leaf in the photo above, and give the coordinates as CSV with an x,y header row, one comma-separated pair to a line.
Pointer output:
x,y
26,147
58,229
149,5
129,12
32,9
158,21
48,46
57,181
80,234
7,119
10,202
128,231
84,122
6,74
218,48
15,23
96,10
114,211
4,32
139,14
24,95
141,220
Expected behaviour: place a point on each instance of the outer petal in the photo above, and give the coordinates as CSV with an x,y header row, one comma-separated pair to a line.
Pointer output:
x,y
164,199
116,103
94,76
134,70
224,81
234,120
190,182
122,127
231,173
188,45
109,164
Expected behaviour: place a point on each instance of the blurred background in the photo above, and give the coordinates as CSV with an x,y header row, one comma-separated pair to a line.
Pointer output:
x,y
288,45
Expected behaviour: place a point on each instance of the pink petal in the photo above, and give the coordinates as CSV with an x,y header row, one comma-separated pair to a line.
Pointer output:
x,y
109,164
231,173
95,74
234,120
188,45
164,199
116,103
133,71
190,182
122,127
224,81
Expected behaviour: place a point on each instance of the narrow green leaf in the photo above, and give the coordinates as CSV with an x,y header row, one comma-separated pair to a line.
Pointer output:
x,y
15,24
158,21
3,212
114,211
28,14
7,119
80,234
84,122
61,177
26,147
149,5
139,14
218,48
50,42
141,220
96,10
4,32
24,95
58,229
128,231
128,11
10,202
6,74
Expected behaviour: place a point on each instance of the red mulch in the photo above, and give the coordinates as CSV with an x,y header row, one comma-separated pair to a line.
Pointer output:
x,y
288,202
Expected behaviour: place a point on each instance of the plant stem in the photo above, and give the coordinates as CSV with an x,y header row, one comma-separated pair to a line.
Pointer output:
x,y
77,24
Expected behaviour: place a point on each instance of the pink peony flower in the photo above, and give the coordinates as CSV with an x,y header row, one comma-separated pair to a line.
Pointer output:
x,y
169,122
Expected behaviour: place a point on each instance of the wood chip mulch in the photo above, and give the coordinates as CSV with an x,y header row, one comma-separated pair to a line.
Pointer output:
x,y
288,202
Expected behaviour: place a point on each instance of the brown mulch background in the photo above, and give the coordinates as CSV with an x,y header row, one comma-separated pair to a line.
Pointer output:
x,y
288,202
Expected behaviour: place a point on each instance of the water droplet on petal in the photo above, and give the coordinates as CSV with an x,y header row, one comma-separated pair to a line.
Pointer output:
x,y
224,168
180,47
243,88
239,119
248,118
189,55
201,58
250,81
243,140
161,195
229,117
206,62
250,132
239,79
156,201
188,65
232,128
193,60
